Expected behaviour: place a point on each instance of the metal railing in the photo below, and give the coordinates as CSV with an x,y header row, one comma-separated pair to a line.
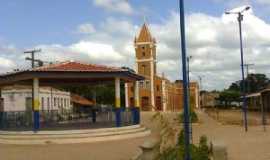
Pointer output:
x,y
64,119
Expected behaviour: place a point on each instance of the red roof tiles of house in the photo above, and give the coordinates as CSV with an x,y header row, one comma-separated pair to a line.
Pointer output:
x,y
76,66
81,100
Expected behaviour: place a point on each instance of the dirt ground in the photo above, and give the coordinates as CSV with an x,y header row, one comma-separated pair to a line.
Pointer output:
x,y
253,145
235,117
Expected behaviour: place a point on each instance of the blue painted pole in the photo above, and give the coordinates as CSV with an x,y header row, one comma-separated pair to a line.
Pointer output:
x,y
185,84
118,117
244,105
36,121
35,105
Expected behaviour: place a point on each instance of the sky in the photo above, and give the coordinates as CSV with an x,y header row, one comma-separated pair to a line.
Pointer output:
x,y
103,31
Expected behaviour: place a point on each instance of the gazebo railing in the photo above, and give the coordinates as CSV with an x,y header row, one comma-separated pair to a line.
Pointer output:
x,y
64,119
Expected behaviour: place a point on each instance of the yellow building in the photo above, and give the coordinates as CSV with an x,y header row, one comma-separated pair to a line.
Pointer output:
x,y
156,92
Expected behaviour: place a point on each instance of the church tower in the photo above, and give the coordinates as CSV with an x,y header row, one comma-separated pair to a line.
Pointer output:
x,y
145,48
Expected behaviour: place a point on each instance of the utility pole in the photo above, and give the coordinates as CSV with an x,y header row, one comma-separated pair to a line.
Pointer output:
x,y
185,85
247,65
200,89
32,59
200,81
35,82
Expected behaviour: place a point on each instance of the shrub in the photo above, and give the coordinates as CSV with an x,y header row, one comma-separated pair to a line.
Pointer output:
x,y
200,152
193,116
176,151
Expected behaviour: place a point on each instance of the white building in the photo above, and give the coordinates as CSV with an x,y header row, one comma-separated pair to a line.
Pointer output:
x,y
19,98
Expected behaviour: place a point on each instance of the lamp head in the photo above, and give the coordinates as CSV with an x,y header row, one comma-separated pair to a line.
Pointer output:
x,y
247,8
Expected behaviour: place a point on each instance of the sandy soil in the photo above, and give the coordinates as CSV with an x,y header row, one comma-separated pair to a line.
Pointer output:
x,y
235,117
251,145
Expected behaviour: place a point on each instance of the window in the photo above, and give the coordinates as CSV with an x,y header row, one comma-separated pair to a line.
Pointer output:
x,y
12,97
147,84
58,102
143,54
28,104
143,47
65,102
141,84
48,103
54,101
68,103
61,102
42,103
1,104
158,88
143,69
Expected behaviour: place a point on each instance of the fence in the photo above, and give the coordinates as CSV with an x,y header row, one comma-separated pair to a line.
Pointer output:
x,y
67,119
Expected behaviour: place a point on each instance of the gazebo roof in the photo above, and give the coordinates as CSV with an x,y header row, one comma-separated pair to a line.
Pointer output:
x,y
70,72
78,67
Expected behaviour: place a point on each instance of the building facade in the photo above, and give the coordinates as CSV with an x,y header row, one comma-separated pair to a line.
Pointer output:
x,y
19,98
156,92
209,99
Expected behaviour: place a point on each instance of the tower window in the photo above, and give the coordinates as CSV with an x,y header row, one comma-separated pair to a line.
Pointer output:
x,y
143,47
158,88
144,69
147,84
141,84
143,53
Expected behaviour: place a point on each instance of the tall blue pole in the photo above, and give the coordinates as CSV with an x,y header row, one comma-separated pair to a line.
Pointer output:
x,y
185,84
244,105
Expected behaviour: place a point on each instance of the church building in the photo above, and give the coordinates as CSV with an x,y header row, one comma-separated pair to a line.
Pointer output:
x,y
157,93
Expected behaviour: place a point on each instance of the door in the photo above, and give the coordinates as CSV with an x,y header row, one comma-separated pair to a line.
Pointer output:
x,y
159,103
145,103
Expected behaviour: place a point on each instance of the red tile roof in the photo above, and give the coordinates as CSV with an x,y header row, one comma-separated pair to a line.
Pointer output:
x,y
78,67
81,100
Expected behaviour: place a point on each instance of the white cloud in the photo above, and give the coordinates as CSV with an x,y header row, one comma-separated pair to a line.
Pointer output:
x,y
6,63
121,6
267,2
212,41
96,51
86,28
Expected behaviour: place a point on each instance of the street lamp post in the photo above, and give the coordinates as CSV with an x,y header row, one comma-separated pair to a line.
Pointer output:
x,y
244,106
189,112
185,84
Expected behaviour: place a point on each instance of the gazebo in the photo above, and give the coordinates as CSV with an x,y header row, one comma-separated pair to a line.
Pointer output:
x,y
73,73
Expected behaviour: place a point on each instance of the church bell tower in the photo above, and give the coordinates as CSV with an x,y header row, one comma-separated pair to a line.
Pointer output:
x,y
145,48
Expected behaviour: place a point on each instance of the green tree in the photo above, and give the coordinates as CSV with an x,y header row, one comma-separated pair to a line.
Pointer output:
x,y
229,96
256,82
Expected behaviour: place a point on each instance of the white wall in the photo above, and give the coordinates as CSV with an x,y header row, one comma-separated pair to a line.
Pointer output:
x,y
15,99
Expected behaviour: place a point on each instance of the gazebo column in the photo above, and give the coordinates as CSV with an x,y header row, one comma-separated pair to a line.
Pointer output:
x,y
136,109
117,102
126,95
36,104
